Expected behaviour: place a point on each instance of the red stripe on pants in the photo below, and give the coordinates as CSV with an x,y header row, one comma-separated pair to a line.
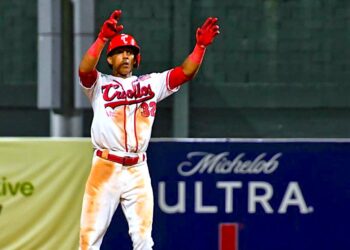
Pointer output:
x,y
228,236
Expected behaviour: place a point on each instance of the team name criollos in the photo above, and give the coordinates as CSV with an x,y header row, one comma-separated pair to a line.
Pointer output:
x,y
116,96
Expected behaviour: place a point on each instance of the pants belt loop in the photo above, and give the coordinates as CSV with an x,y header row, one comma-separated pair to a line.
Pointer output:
x,y
105,153
142,157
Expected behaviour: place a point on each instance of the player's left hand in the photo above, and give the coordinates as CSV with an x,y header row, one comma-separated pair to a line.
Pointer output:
x,y
205,35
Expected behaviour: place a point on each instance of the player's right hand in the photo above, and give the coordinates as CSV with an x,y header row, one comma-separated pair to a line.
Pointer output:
x,y
110,27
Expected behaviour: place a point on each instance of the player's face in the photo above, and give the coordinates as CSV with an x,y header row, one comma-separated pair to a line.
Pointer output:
x,y
122,61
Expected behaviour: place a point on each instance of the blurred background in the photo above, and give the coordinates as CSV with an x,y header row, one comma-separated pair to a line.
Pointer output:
x,y
279,68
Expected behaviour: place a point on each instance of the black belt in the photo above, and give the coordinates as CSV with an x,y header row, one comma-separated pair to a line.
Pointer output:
x,y
125,161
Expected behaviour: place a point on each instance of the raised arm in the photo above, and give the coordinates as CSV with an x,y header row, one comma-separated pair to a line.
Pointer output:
x,y
87,67
188,69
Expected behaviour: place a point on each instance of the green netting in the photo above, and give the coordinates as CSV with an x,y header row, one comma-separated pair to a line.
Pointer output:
x,y
18,43
279,42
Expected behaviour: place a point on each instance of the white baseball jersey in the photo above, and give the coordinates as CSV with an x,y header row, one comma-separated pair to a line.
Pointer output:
x,y
124,110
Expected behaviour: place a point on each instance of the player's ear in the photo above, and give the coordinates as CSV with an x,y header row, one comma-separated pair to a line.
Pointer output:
x,y
109,60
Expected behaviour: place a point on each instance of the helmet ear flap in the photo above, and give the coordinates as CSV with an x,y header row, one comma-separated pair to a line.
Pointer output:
x,y
137,61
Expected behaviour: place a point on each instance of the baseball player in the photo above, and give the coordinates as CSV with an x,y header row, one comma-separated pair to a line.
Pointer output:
x,y
124,108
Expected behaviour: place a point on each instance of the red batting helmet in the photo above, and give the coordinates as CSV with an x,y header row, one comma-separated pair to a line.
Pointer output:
x,y
123,40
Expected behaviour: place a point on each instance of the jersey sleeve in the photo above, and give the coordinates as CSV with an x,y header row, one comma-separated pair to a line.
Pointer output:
x,y
161,85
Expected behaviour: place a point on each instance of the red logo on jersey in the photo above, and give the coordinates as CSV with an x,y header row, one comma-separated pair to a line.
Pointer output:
x,y
116,96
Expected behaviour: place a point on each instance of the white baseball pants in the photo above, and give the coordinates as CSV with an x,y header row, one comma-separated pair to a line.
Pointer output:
x,y
108,185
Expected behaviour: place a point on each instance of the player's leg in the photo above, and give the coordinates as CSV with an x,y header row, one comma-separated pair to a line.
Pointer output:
x,y
100,201
137,203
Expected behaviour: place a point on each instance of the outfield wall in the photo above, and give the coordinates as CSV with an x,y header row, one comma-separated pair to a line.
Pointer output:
x,y
226,194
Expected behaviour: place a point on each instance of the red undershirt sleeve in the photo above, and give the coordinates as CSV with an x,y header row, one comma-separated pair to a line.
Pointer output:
x,y
88,78
177,77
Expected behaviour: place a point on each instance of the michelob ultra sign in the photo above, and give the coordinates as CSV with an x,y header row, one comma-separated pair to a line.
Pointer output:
x,y
247,195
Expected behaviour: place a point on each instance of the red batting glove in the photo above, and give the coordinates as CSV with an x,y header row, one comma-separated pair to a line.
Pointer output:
x,y
110,27
205,35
